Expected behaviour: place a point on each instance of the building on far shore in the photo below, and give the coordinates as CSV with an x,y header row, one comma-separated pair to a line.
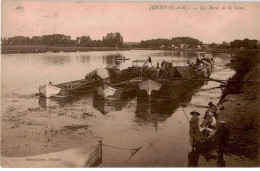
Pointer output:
x,y
183,46
162,47
205,46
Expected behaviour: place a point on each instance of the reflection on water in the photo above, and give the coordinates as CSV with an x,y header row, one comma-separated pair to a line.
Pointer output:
x,y
207,152
144,110
175,54
107,106
46,103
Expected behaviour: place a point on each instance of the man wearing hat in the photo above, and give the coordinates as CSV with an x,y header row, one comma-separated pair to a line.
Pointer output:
x,y
222,136
194,126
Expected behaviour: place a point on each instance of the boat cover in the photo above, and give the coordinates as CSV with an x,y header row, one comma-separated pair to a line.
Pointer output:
x,y
184,71
88,155
101,72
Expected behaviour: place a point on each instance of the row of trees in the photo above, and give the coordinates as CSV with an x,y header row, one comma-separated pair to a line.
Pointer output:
x,y
116,40
176,41
241,44
64,40
194,43
246,43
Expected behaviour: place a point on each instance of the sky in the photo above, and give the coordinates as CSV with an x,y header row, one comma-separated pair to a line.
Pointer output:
x,y
134,20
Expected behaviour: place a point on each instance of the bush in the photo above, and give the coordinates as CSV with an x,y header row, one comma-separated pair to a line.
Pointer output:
x,y
245,64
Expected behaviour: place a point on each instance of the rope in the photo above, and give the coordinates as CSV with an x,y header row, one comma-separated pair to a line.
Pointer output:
x,y
178,100
134,151
217,80
32,81
122,147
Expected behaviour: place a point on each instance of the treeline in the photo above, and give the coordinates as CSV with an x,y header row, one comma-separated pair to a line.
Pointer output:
x,y
111,40
240,44
246,43
174,42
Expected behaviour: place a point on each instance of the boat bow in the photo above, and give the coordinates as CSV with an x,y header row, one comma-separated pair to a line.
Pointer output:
x,y
149,86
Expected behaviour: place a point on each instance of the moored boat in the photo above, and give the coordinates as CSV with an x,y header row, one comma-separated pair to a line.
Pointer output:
x,y
49,90
98,77
123,84
93,79
169,82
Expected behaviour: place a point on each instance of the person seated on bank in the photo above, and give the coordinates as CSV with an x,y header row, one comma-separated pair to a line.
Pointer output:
x,y
194,126
208,127
209,121
213,109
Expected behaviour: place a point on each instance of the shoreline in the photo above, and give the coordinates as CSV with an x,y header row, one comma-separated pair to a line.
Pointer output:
x,y
239,106
60,49
53,49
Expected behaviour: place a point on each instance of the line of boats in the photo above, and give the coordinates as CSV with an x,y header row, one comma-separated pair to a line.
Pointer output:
x,y
163,82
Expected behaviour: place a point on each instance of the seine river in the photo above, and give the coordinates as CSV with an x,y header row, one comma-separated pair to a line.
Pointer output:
x,y
161,129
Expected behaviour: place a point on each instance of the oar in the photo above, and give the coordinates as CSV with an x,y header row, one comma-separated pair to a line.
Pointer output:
x,y
211,79
203,79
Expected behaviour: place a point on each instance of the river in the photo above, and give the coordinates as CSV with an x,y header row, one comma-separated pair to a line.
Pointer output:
x,y
161,130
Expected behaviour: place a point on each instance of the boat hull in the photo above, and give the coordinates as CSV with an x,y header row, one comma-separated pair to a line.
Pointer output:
x,y
171,89
48,90
66,89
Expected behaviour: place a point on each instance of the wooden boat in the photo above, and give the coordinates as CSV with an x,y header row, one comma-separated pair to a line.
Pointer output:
x,y
87,155
93,79
170,82
98,77
124,84
64,89
49,90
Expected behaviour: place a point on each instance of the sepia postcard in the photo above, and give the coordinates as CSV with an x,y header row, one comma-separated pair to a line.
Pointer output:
x,y
129,84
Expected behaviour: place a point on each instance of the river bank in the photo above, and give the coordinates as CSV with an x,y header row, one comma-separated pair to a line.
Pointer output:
x,y
240,107
53,49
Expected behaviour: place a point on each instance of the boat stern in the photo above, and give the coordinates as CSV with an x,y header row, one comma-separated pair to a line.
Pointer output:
x,y
48,90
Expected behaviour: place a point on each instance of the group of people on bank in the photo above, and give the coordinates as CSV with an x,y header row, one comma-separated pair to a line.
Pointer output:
x,y
216,134
209,129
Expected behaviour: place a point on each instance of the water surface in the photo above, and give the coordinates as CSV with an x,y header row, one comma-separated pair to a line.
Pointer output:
x,y
161,129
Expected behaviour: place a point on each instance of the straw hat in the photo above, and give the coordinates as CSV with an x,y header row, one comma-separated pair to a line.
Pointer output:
x,y
194,111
